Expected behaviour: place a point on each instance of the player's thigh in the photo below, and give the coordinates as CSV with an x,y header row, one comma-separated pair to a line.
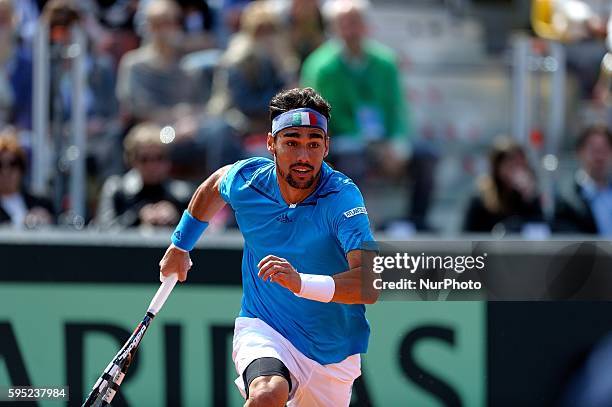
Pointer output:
x,y
267,377
322,392
329,385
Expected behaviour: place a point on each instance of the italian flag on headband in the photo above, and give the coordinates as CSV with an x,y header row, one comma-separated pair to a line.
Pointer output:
x,y
304,119
297,118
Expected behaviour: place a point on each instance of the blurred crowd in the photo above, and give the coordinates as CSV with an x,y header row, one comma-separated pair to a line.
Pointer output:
x,y
176,88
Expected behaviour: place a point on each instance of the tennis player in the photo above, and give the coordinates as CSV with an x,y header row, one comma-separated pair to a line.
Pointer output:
x,y
302,326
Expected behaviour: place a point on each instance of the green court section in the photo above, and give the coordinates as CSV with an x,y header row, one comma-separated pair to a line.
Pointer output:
x,y
421,353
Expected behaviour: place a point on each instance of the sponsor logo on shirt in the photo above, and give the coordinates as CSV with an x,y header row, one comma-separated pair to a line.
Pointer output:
x,y
356,211
283,218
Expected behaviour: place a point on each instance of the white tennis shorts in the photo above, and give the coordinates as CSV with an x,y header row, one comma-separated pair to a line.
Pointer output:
x,y
312,384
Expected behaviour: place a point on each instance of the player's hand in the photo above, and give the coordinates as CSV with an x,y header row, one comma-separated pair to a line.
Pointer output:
x,y
280,271
175,261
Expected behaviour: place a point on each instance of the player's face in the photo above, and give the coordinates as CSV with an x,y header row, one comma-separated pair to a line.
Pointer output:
x,y
299,154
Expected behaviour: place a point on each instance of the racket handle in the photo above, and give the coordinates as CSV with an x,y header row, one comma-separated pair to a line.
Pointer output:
x,y
162,293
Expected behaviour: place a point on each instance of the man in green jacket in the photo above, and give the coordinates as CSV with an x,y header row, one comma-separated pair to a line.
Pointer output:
x,y
370,123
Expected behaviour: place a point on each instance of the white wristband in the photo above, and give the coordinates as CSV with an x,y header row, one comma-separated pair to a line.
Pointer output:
x,y
317,288
177,248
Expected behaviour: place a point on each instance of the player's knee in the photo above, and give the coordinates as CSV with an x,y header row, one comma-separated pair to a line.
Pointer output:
x,y
268,391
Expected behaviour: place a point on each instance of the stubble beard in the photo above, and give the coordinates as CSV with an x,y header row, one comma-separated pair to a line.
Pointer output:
x,y
297,184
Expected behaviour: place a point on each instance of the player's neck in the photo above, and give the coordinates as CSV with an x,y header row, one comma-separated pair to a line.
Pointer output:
x,y
293,195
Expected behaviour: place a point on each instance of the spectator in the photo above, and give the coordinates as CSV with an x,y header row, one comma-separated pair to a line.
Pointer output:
x,y
97,97
229,15
111,26
603,88
570,20
508,196
255,67
144,195
196,22
62,16
585,204
15,72
151,83
360,79
154,86
369,126
17,206
27,13
306,27
582,25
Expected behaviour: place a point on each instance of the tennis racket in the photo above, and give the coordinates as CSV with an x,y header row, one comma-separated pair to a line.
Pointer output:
x,y
108,383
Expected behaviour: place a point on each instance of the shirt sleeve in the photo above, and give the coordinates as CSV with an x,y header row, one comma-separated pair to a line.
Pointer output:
x,y
350,221
232,179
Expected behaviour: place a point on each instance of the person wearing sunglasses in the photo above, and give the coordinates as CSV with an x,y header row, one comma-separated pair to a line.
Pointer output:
x,y
18,208
145,195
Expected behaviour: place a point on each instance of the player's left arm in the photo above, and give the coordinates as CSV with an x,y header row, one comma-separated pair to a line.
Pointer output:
x,y
356,285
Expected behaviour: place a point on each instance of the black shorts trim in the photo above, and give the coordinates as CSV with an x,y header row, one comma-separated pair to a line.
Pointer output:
x,y
264,367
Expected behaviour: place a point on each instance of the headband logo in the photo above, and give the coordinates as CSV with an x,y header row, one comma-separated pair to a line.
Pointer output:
x,y
299,118
304,119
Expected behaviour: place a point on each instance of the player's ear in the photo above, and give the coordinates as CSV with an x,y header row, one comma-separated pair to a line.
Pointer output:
x,y
270,144
326,146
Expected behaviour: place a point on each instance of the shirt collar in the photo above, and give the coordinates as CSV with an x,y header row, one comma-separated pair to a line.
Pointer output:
x,y
589,188
326,170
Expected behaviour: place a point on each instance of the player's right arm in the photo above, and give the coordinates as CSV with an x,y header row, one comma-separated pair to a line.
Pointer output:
x,y
207,200
205,203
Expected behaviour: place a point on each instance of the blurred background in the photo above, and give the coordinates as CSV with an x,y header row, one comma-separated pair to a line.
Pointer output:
x,y
458,119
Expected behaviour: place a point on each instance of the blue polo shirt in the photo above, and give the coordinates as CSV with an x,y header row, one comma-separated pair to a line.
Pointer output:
x,y
314,236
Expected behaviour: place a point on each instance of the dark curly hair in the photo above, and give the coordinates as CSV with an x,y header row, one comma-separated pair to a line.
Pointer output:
x,y
298,98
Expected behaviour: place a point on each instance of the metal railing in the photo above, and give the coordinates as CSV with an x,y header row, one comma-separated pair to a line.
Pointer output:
x,y
58,160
